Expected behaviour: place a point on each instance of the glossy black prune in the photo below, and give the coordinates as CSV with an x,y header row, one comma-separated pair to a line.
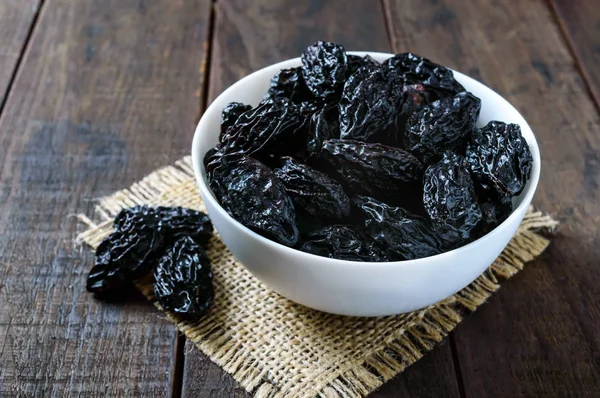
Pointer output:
x,y
250,193
123,256
370,108
499,159
443,125
344,242
449,195
323,125
376,170
230,114
312,191
492,215
403,235
183,280
273,127
171,222
355,62
414,69
324,68
289,83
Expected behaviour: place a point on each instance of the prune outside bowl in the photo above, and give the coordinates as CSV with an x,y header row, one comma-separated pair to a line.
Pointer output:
x,y
349,287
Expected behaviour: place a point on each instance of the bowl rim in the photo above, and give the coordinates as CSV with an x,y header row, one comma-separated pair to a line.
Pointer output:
x,y
207,194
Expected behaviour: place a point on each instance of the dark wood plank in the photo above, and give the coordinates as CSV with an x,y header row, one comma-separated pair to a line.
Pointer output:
x,y
580,21
16,19
249,36
539,335
107,92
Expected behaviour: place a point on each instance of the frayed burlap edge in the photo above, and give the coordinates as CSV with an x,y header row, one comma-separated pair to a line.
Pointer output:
x,y
424,329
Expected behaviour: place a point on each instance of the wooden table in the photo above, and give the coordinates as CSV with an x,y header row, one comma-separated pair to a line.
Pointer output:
x,y
95,94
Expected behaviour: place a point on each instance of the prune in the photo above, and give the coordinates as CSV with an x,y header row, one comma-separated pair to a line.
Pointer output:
x,y
369,110
274,127
171,222
403,235
323,126
492,215
344,242
123,256
324,68
230,114
414,69
499,159
250,193
355,62
288,83
316,193
449,196
374,169
443,125
183,280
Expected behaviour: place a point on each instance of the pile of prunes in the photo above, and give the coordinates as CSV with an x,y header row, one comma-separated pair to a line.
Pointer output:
x,y
353,159
165,242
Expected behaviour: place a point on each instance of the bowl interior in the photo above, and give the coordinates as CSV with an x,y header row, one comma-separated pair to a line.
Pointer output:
x,y
251,89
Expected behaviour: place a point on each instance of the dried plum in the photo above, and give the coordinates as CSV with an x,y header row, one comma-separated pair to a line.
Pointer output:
x,y
171,222
288,83
449,196
323,126
274,127
414,69
492,215
123,256
404,236
374,169
230,114
183,280
443,125
499,159
312,191
344,242
355,62
250,193
324,68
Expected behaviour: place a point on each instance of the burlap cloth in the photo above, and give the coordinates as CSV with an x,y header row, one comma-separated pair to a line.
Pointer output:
x,y
275,348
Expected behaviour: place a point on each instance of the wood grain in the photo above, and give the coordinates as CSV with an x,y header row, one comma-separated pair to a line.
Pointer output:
x,y
249,36
16,19
538,335
107,92
580,20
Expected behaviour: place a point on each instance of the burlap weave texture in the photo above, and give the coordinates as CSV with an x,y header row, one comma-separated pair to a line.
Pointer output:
x,y
276,348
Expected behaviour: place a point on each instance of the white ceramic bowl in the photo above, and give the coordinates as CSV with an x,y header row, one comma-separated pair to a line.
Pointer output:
x,y
347,287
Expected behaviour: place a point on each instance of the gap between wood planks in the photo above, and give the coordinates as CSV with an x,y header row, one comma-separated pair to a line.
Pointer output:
x,y
178,370
17,66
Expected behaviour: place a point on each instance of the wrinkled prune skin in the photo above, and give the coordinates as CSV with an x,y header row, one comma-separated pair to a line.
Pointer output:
x,y
499,159
183,280
344,242
403,235
123,256
316,193
369,110
273,127
449,195
355,62
171,222
323,125
250,193
413,69
443,125
324,68
230,114
289,83
376,170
